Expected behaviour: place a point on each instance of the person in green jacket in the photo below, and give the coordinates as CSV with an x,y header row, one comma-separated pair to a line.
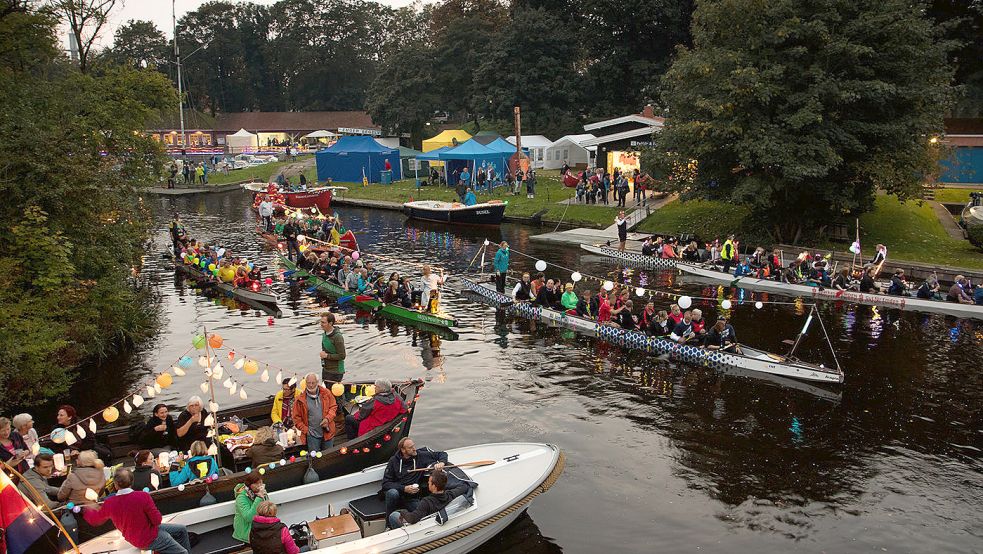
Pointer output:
x,y
249,494
501,266
332,350
569,299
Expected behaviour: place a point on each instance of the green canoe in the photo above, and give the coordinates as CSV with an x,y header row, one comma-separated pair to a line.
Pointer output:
x,y
404,315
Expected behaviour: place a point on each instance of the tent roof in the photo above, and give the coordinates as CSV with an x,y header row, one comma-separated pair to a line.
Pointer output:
x,y
432,155
532,141
486,137
501,145
243,133
358,144
575,139
405,152
448,135
468,150
320,134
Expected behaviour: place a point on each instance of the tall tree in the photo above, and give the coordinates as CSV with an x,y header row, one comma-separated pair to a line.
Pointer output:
x,y
801,110
531,63
962,23
86,20
138,44
403,96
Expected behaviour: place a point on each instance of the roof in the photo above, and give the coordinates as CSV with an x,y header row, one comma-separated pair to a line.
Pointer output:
x,y
574,139
194,120
293,121
633,118
357,144
486,137
964,126
433,154
445,137
641,132
468,150
501,145
532,141
243,133
405,152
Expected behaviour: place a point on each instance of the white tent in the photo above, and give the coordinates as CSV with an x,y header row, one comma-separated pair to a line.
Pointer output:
x,y
567,148
242,141
536,144
320,134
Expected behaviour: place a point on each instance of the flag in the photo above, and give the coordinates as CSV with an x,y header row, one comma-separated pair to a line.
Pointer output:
x,y
20,520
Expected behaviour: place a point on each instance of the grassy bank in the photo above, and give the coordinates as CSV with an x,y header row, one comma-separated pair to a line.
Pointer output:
x,y
255,173
549,192
911,232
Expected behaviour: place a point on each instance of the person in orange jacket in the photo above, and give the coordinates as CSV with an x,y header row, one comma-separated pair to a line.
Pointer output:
x,y
314,413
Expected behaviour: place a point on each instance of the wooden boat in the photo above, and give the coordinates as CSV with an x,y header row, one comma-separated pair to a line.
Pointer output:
x,y
346,456
319,197
505,489
909,303
348,242
633,259
752,359
485,213
257,299
399,313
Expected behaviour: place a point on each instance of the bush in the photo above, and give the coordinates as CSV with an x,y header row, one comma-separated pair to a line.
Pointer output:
x,y
975,233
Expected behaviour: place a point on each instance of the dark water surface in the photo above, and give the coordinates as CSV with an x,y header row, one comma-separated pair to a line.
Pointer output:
x,y
659,456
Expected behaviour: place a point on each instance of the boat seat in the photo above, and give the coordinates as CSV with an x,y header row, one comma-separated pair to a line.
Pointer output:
x,y
370,514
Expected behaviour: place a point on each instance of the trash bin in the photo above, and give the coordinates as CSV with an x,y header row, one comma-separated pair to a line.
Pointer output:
x,y
387,177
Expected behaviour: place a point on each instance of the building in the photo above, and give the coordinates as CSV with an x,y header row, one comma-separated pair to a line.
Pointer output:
x,y
569,149
536,145
617,141
965,164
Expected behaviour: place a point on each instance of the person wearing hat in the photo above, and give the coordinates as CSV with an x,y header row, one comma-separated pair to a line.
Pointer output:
x,y
722,337
385,406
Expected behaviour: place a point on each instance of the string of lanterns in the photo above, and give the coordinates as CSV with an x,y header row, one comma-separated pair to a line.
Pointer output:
x,y
684,301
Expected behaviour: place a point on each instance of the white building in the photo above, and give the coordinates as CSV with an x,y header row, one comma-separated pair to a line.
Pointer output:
x,y
537,145
570,149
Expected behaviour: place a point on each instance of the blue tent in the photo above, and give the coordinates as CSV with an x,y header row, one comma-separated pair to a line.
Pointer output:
x,y
432,155
502,145
351,157
472,154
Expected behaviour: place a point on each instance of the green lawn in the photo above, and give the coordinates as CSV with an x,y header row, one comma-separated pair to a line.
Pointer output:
x,y
704,218
953,195
549,191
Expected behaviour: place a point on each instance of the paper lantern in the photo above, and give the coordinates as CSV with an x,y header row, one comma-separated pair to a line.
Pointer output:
x,y
355,255
211,267
80,431
608,285
202,361
218,371
233,388
215,340
250,367
639,291
685,302
212,450
576,277
151,392
227,383
242,394
213,407
126,407
725,304
268,281
370,390
185,362
91,495
180,487
36,448
301,238
198,341
178,371
92,425
337,389
203,386
759,305
110,414
209,420
265,376
157,387
164,380
293,381
241,362
279,376
70,438
540,265
302,248
155,480
232,355
137,401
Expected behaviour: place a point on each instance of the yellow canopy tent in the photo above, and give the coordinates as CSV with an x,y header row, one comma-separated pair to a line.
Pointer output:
x,y
449,138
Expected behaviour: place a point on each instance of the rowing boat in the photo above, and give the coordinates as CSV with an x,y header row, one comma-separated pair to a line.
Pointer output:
x,y
909,303
319,197
259,300
347,242
752,359
501,492
399,313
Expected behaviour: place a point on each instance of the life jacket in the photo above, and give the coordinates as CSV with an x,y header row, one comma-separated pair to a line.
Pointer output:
x,y
266,536
525,293
727,252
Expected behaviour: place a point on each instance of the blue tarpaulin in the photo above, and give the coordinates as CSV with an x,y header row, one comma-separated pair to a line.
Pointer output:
x,y
473,154
351,157
964,166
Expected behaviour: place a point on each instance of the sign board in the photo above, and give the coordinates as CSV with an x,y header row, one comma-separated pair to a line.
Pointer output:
x,y
414,164
357,131
643,143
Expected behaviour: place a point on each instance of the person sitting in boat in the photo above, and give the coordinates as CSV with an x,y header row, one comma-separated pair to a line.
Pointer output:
x,y
405,293
978,295
867,283
199,466
929,290
346,268
623,318
880,256
957,292
384,407
314,415
691,253
283,403
775,265
145,466
469,198
351,282
159,433
440,496
648,249
603,308
265,449
189,426
537,284
675,315
585,306
401,481
548,296
268,533
742,268
648,314
722,337
308,261
659,326
683,331
248,494
698,323
899,286
843,281
391,294
569,299
669,249
522,292
757,260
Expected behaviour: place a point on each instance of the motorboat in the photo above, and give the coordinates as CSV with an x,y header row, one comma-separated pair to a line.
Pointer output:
x,y
485,213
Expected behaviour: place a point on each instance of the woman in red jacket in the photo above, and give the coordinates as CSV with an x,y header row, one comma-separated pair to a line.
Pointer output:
x,y
384,407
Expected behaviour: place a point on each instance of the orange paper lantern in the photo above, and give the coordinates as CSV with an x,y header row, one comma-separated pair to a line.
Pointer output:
x,y
165,380
215,340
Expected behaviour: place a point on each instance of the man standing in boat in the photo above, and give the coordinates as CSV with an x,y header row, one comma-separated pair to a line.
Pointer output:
x,y
622,223
332,350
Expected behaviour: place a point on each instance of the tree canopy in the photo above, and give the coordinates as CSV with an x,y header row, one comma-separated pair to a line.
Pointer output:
x,y
802,110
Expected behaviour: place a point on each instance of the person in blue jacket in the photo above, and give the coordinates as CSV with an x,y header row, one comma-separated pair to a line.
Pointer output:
x,y
501,266
199,466
469,198
401,482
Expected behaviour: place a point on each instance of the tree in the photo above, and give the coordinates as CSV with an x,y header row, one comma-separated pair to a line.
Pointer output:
x,y
138,44
531,64
962,23
403,96
86,19
802,110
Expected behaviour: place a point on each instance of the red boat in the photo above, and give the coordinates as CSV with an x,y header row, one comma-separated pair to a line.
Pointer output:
x,y
570,180
318,197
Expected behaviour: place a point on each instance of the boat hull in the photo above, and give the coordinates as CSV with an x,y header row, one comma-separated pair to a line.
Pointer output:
x,y
909,303
633,259
443,212
636,340
259,300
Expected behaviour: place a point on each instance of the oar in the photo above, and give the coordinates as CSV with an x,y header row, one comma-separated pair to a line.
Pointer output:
x,y
345,299
482,463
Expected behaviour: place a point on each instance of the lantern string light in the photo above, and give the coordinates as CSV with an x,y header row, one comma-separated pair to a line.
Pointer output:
x,y
655,292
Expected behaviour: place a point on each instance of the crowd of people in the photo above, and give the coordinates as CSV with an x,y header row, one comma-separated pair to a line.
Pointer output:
x,y
215,262
598,186
486,179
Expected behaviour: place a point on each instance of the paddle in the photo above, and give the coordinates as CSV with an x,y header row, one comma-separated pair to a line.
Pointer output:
x,y
345,299
481,463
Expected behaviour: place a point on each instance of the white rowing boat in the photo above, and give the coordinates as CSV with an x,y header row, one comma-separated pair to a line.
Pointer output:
x,y
910,303
752,359
505,489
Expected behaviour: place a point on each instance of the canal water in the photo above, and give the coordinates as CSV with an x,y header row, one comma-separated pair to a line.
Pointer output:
x,y
659,456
